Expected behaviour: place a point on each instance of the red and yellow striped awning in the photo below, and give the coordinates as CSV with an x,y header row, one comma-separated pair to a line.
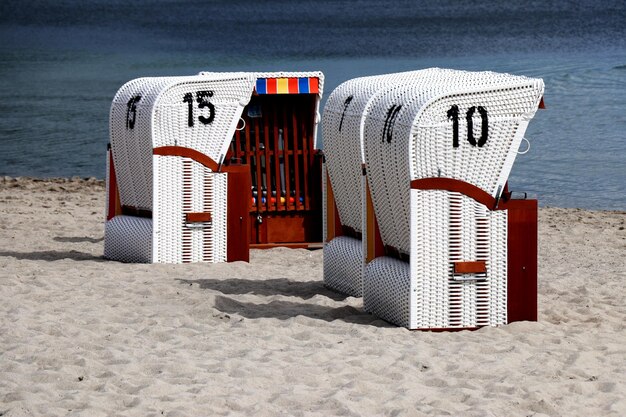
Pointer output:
x,y
294,85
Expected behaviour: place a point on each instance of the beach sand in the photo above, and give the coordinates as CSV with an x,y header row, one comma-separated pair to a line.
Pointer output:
x,y
83,336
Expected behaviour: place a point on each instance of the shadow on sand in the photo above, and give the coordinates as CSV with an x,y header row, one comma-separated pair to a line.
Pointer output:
x,y
282,309
277,286
51,255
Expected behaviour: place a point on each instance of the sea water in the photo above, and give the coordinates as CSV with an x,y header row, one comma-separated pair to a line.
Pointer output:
x,y
61,63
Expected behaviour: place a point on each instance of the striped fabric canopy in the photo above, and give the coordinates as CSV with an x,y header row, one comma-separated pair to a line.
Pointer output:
x,y
301,85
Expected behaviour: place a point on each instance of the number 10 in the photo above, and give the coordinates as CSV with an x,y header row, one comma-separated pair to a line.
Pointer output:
x,y
453,114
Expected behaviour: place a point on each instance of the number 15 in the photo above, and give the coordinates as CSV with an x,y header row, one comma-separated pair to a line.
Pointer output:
x,y
202,97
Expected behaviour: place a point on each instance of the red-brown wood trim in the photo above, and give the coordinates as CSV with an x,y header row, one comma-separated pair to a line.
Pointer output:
x,y
198,217
238,205
542,105
470,267
521,260
289,203
307,148
375,246
187,153
276,158
451,184
306,245
333,223
115,207
296,162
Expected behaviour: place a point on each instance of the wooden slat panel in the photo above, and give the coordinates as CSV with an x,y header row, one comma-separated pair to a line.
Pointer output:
x,y
306,144
255,154
265,156
287,137
521,260
275,153
296,162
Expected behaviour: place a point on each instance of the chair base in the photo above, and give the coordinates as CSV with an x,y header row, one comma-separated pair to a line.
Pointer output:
x,y
343,265
387,290
128,239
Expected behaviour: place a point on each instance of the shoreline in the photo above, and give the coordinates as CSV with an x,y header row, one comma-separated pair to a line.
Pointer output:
x,y
76,184
84,336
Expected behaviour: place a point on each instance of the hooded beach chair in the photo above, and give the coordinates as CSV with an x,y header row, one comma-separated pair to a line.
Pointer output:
x,y
170,199
456,252
179,180
345,187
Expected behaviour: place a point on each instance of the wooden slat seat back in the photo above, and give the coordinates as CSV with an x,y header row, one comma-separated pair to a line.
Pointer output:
x,y
276,140
277,137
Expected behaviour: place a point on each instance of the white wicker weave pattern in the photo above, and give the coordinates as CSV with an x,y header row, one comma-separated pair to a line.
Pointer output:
x,y
185,186
342,126
199,113
153,112
343,265
128,239
217,202
387,290
448,227
409,133
404,120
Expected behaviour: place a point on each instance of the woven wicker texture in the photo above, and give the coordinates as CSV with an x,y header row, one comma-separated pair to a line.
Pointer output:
x,y
128,239
343,265
152,112
342,127
448,227
196,112
452,124
387,290
408,135
184,186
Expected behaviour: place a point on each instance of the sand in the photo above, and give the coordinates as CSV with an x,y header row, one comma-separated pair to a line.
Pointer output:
x,y
83,336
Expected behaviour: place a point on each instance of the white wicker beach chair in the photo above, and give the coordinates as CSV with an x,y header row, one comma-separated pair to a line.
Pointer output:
x,y
439,150
345,186
174,195
167,192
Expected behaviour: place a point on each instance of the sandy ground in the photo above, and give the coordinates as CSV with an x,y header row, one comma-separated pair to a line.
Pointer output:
x,y
83,336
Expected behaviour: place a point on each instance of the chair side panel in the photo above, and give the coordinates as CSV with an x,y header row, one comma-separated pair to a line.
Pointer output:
x,y
449,227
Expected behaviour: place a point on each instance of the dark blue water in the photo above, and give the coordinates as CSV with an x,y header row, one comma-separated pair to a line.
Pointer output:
x,y
61,63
